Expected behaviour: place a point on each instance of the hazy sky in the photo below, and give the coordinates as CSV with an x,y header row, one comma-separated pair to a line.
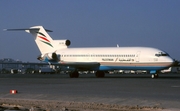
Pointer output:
x,y
150,23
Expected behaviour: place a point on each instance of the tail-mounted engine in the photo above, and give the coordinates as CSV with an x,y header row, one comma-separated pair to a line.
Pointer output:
x,y
49,57
62,43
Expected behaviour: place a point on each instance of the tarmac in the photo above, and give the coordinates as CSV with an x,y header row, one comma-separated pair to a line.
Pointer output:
x,y
115,92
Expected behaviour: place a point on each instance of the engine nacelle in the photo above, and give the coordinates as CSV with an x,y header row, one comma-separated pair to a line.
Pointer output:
x,y
60,43
49,57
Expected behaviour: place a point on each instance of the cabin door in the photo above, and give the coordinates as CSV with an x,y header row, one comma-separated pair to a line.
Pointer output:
x,y
138,55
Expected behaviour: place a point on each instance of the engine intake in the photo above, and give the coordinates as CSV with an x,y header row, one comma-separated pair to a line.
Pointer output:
x,y
68,43
54,56
60,43
49,57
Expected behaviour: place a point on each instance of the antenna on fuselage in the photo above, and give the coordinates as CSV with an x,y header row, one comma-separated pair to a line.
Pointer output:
x,y
117,45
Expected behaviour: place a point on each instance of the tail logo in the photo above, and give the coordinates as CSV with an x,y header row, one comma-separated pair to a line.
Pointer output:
x,y
44,39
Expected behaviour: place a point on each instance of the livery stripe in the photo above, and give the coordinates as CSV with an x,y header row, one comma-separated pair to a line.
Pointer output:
x,y
164,64
134,66
131,68
44,38
41,34
47,43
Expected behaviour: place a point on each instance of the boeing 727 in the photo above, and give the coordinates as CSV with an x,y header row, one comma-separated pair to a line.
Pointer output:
x,y
99,59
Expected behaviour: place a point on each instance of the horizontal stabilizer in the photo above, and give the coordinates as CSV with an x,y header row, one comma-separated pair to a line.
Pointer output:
x,y
44,42
26,29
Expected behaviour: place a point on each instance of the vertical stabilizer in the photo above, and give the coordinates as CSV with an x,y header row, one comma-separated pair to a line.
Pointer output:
x,y
42,39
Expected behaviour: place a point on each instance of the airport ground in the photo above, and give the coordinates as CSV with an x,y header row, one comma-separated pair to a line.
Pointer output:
x,y
115,92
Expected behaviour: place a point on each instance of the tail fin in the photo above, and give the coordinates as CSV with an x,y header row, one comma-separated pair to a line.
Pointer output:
x,y
42,39
44,42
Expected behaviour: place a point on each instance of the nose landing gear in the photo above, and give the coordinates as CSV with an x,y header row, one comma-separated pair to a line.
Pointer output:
x,y
154,76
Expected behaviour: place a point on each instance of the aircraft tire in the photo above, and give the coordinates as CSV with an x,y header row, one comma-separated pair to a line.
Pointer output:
x,y
71,75
152,76
74,74
156,75
100,74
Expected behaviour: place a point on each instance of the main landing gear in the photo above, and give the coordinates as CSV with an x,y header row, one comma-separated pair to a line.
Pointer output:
x,y
154,76
74,74
100,74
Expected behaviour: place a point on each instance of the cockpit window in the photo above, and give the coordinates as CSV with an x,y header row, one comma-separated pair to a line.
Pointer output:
x,y
161,54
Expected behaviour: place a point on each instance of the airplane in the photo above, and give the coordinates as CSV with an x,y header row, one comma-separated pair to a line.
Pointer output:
x,y
99,59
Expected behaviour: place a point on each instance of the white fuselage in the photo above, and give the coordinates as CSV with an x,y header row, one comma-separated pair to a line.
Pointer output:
x,y
110,58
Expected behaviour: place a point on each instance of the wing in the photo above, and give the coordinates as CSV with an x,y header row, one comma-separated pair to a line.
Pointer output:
x,y
80,65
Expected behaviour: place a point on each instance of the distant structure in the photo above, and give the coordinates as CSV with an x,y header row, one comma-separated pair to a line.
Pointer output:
x,y
9,60
8,65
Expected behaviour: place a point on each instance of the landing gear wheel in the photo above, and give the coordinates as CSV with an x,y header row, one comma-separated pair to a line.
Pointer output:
x,y
154,76
74,74
100,74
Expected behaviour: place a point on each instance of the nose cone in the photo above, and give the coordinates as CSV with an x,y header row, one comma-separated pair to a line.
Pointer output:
x,y
170,61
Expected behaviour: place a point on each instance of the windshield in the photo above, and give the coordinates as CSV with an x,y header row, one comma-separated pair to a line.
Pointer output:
x,y
162,54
